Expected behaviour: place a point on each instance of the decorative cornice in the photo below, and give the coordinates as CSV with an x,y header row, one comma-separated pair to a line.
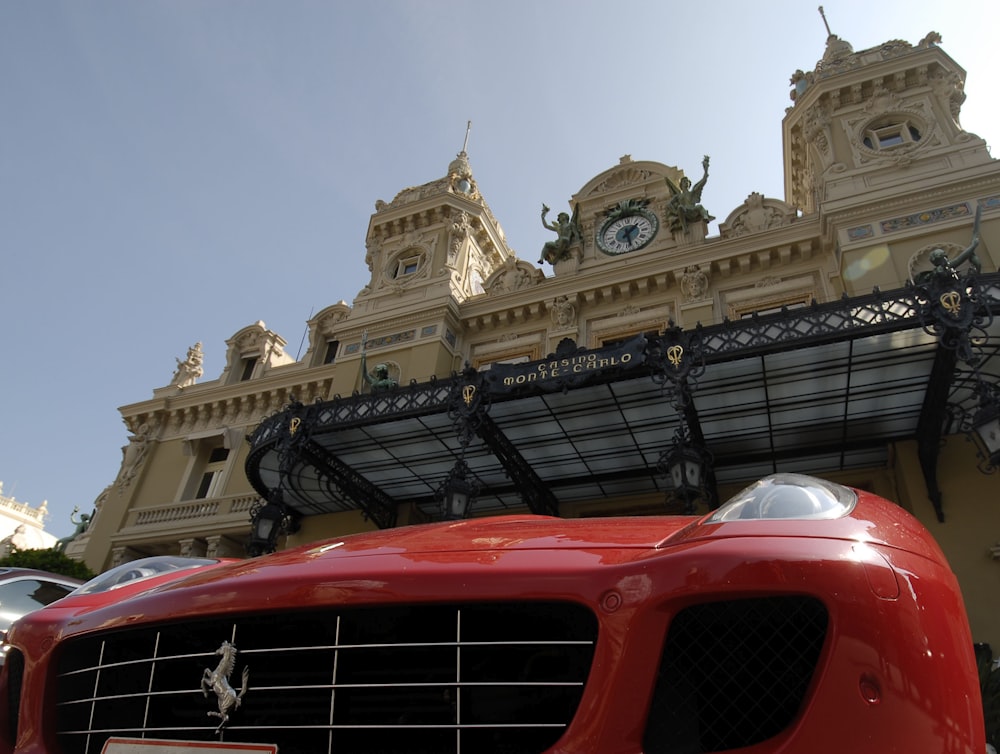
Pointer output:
x,y
175,418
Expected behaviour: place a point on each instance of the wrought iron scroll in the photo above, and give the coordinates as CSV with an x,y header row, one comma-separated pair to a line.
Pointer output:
x,y
678,360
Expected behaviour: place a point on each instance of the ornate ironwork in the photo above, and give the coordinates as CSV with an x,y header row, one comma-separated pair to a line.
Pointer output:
x,y
678,360
468,404
672,360
533,490
374,503
951,308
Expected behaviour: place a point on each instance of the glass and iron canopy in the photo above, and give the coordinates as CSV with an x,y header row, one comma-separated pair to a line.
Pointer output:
x,y
825,388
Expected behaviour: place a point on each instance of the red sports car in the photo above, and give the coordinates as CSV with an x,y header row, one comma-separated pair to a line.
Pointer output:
x,y
801,616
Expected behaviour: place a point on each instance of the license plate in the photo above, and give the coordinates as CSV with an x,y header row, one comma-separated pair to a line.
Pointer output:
x,y
152,746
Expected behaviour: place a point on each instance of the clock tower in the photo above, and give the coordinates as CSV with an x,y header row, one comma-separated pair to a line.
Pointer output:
x,y
635,208
874,146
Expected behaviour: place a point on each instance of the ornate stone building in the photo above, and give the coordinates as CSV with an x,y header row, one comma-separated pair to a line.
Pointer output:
x,y
818,333
23,527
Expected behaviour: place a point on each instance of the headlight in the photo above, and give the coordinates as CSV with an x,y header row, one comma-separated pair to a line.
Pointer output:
x,y
787,496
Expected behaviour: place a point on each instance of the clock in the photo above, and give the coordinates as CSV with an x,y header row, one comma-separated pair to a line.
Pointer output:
x,y
627,229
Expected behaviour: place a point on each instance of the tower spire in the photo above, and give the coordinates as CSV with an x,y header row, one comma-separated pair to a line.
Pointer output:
x,y
821,13
468,128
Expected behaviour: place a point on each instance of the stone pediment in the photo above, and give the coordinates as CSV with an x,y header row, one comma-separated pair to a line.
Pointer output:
x,y
514,275
758,213
629,177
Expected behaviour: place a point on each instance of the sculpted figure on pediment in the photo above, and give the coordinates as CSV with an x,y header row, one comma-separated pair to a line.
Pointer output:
x,y
568,230
684,207
189,370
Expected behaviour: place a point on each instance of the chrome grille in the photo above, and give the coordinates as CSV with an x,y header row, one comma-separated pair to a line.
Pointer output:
x,y
425,678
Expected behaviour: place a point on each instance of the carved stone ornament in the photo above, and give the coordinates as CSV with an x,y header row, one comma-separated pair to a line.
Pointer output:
x,y
133,456
694,283
758,213
514,275
327,321
189,370
563,313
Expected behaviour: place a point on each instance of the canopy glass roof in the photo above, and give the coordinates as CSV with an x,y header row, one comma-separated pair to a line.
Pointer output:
x,y
812,391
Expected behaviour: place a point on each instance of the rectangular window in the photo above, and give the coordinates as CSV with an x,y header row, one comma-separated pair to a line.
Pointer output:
x,y
248,366
407,266
212,473
791,304
331,351
618,338
891,139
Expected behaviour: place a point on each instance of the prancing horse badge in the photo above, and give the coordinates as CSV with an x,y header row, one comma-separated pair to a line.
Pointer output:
x,y
218,681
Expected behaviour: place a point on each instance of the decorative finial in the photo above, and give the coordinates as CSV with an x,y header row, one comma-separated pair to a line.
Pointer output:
x,y
828,32
468,127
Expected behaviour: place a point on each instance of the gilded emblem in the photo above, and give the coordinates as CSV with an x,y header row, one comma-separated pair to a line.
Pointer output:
x,y
218,681
468,393
293,425
675,355
951,302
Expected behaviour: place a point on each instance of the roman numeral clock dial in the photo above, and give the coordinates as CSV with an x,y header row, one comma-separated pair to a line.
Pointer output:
x,y
628,227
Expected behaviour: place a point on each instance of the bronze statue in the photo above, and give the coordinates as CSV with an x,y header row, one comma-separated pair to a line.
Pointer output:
x,y
946,269
379,379
81,526
684,206
568,229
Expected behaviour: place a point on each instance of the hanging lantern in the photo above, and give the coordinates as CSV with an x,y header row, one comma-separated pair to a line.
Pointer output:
x,y
457,493
686,467
267,522
985,429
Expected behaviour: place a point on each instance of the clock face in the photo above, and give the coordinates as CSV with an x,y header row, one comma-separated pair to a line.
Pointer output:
x,y
627,233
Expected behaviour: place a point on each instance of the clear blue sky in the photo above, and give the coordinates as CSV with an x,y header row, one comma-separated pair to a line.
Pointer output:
x,y
172,171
